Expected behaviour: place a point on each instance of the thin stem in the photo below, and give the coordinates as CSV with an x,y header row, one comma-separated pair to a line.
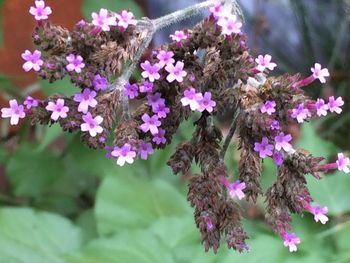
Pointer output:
x,y
230,134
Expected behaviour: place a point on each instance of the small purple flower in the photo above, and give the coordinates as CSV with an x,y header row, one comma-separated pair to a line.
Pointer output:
x,y
146,87
206,103
229,25
150,123
319,213
159,138
30,102
131,90
161,110
334,105
235,189
290,241
33,60
124,154
86,99
282,141
178,36
75,63
126,18
343,163
144,149
92,124
165,58
321,107
58,109
109,150
264,62
175,72
103,20
40,11
319,73
217,10
100,83
268,107
155,100
264,148
300,113
209,223
150,71
191,97
15,112
278,158
275,125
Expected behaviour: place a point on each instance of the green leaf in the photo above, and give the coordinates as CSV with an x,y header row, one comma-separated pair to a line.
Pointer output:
x,y
48,135
125,202
27,236
63,86
90,6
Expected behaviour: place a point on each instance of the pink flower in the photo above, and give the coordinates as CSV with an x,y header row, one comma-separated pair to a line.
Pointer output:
x,y
155,100
321,107
264,148
75,63
131,90
159,138
30,102
15,112
206,103
40,11
300,113
264,62
144,149
100,83
92,124
146,87
58,109
319,73
229,25
150,123
178,36
275,125
216,10
124,154
235,189
161,110
150,71
290,241
343,163
33,60
191,97
282,141
320,214
175,72
268,107
334,105
125,19
103,20
165,58
86,99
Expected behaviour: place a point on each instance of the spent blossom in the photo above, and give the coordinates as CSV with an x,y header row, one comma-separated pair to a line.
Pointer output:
x,y
159,137
30,102
144,149
92,124
229,25
126,18
15,112
131,90
165,57
124,154
300,113
291,241
268,107
99,82
176,72
335,105
86,99
206,103
263,148
282,142
40,11
150,71
150,123
235,189
264,62
178,36
75,63
58,109
103,20
33,60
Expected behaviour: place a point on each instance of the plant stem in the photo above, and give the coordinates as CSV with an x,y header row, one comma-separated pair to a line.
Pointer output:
x,y
230,134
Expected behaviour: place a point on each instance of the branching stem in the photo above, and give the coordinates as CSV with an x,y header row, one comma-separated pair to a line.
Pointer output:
x,y
230,134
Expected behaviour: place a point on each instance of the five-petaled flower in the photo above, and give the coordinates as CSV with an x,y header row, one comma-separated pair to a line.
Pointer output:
x,y
159,138
176,72
275,125
86,99
268,107
319,213
150,123
40,11
146,87
144,149
290,241
92,124
58,109
103,20
334,105
126,18
165,57
264,62
264,148
124,154
191,98
319,73
75,63
33,60
343,163
206,103
235,189
300,113
99,82
229,25
15,112
282,141
131,90
217,10
155,99
30,102
150,71
161,110
321,107
178,36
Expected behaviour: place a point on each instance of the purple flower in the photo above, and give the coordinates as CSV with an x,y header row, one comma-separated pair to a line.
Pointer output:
x,y
165,58
343,163
209,223
320,214
100,83
30,102
268,107
58,109
161,110
103,20
92,124
264,148
282,141
150,123
206,103
235,189
155,99
335,104
40,11
217,10
125,19
75,63
150,71
109,150
146,87
192,77
278,158
178,36
229,25
144,149
191,97
86,99
159,138
131,90
264,62
300,113
290,241
175,72
33,60
15,112
124,154
321,107
275,125
319,73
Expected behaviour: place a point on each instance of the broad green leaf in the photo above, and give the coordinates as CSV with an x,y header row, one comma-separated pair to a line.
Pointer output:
x,y
63,86
48,135
125,202
27,236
